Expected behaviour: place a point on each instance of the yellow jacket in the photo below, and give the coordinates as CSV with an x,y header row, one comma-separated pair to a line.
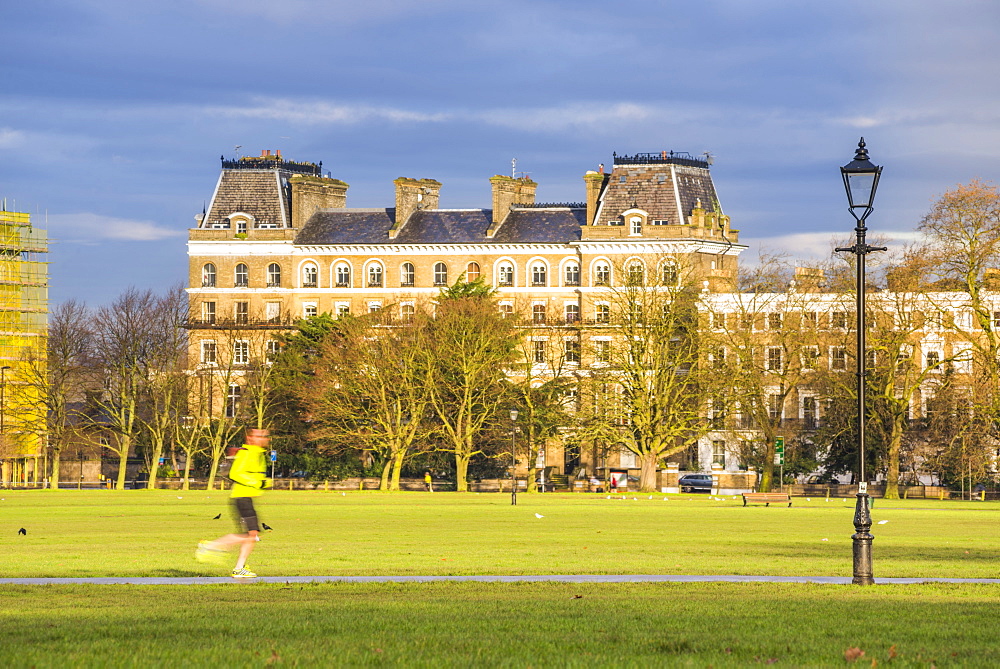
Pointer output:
x,y
249,472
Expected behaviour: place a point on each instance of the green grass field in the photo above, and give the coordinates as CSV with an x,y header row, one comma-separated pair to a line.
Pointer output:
x,y
153,533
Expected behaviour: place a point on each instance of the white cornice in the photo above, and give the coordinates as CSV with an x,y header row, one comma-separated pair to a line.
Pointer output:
x,y
602,247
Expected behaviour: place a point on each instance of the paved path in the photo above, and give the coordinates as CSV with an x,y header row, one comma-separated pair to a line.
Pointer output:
x,y
636,578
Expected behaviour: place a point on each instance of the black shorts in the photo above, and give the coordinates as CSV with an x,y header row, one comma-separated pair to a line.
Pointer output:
x,y
246,515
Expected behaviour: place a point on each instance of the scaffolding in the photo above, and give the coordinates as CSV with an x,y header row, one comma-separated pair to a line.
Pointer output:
x,y
23,332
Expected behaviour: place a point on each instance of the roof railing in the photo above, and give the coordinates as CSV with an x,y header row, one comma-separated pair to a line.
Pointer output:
x,y
272,163
662,158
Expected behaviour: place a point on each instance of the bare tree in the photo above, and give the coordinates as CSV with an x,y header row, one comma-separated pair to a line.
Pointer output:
x,y
469,345
764,343
370,389
125,346
165,393
655,362
53,384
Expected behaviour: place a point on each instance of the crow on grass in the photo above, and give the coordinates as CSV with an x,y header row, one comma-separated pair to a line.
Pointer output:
x,y
23,532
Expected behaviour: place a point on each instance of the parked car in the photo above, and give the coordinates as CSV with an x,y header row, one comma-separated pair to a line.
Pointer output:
x,y
696,483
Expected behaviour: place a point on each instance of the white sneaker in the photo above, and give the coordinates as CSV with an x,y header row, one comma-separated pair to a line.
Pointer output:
x,y
243,573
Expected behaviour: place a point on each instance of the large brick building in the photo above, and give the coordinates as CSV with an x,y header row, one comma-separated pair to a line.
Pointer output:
x,y
278,243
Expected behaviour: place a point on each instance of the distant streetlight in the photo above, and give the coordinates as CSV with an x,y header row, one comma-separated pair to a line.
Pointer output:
x,y
860,181
513,458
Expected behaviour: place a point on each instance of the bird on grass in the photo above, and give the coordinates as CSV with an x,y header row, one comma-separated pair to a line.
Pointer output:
x,y
266,526
23,532
217,517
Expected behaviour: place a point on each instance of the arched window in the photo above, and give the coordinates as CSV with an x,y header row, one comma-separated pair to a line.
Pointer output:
x,y
242,276
273,275
669,273
208,275
505,274
571,274
310,276
602,274
572,313
636,224
440,274
472,272
538,313
375,275
636,274
538,274
343,274
603,313
406,274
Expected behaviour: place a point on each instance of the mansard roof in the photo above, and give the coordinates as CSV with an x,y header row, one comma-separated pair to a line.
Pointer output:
x,y
262,193
666,186
442,226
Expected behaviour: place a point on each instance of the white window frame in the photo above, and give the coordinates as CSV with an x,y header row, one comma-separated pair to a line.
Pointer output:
x,y
209,352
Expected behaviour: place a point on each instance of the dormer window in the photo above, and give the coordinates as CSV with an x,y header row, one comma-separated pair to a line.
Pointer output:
x,y
635,222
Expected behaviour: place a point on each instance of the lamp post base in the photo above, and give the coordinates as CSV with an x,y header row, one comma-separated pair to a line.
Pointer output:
x,y
862,542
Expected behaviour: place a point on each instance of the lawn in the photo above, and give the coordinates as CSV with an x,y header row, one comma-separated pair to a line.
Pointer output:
x,y
153,533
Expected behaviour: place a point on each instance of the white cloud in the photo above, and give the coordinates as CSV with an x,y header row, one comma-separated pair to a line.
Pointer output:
x,y
88,226
812,246
315,112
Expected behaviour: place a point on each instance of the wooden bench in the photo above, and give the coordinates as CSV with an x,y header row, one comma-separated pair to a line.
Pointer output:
x,y
766,498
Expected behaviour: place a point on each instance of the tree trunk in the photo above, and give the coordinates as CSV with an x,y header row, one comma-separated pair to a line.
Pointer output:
x,y
187,473
397,469
767,467
892,457
124,444
213,470
461,472
55,469
383,482
647,475
154,465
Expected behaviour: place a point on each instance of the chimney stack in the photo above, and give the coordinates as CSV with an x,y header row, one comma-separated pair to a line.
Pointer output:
x,y
312,193
593,183
510,192
413,195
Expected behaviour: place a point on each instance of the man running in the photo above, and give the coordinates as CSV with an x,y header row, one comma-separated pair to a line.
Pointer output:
x,y
249,478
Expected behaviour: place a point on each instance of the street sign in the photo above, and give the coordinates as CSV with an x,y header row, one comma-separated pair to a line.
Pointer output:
x,y
274,456
779,450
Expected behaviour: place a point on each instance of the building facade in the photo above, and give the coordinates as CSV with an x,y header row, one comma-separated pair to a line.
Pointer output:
x,y
278,242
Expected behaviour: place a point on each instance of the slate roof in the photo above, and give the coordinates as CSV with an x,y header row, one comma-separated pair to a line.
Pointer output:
x,y
651,188
260,193
441,226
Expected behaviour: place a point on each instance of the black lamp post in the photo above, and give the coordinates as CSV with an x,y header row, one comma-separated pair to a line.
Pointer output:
x,y
860,180
513,459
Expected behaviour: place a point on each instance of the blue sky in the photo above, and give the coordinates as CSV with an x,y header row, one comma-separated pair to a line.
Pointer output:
x,y
113,113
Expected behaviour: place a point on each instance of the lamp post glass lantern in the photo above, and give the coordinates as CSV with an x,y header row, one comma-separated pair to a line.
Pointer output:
x,y
513,458
860,181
